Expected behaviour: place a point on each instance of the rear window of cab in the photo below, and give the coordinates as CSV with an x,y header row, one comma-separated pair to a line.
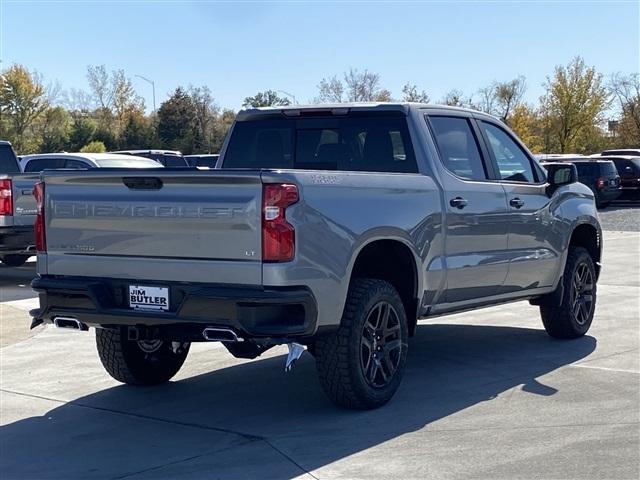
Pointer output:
x,y
352,143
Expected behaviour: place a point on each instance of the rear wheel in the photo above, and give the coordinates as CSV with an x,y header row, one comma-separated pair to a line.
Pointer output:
x,y
142,362
14,260
361,364
573,317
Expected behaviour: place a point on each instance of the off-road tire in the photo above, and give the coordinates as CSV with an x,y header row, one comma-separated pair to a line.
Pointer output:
x,y
562,321
126,362
14,260
339,354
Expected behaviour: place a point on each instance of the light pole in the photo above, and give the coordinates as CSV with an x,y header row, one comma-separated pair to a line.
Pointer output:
x,y
293,97
153,87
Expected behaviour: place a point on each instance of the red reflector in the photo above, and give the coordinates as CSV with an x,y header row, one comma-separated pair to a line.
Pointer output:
x,y
600,182
6,197
38,226
278,235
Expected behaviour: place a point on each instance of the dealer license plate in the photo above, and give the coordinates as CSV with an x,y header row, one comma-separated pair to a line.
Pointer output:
x,y
148,298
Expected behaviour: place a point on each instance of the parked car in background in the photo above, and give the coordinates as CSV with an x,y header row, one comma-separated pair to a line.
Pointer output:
x,y
79,161
601,176
628,167
333,228
622,151
17,209
168,158
204,160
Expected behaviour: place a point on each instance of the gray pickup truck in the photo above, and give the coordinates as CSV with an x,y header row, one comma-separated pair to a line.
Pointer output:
x,y
331,229
17,209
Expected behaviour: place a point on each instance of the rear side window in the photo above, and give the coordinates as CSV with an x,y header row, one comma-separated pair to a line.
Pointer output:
x,y
41,164
355,143
627,166
585,170
8,162
513,164
458,147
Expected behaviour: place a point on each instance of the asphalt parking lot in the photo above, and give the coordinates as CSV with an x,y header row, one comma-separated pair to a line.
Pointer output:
x,y
487,394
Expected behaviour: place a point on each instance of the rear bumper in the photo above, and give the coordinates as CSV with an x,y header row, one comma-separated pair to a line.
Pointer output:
x,y
17,240
251,312
609,195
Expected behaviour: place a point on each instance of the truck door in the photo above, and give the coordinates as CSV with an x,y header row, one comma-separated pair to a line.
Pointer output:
x,y
534,240
476,249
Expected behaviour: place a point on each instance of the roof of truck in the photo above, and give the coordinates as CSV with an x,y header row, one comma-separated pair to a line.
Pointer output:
x,y
338,108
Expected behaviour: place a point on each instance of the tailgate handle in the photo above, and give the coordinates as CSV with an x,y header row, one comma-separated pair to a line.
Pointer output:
x,y
142,183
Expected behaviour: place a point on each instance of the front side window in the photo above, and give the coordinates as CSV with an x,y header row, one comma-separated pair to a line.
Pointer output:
x,y
513,164
76,165
458,147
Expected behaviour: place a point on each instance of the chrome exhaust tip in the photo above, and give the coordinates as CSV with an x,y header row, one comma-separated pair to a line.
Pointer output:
x,y
70,322
221,334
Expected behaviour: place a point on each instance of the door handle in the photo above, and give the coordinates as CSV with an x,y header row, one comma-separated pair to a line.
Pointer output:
x,y
516,202
458,202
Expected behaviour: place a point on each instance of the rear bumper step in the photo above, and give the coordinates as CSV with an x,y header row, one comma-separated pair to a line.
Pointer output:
x,y
251,312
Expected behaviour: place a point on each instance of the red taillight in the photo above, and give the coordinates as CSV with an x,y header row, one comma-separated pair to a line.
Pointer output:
x,y
6,198
278,235
600,183
38,226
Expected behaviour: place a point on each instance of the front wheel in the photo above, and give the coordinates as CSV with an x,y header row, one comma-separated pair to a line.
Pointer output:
x,y
142,362
361,364
573,317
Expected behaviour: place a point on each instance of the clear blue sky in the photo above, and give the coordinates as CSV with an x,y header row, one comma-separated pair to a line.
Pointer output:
x,y
239,48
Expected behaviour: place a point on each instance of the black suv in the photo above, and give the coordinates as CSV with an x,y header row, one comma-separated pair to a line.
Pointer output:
x,y
629,170
601,176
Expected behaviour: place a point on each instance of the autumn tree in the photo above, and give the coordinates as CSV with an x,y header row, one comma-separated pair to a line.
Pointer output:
x,y
574,103
22,101
525,121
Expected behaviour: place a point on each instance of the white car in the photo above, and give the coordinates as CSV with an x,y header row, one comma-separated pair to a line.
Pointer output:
x,y
79,161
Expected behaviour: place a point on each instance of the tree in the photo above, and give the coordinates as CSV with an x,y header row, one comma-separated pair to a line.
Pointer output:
x,y
206,112
54,130
410,93
501,98
356,87
330,90
626,91
22,102
176,121
94,147
267,98
82,131
222,126
114,98
138,133
574,103
525,121
455,98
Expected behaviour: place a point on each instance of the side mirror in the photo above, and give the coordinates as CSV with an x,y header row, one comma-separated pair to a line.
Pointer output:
x,y
559,174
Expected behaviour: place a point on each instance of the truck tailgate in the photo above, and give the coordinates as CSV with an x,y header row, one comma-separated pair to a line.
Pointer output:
x,y
24,205
191,226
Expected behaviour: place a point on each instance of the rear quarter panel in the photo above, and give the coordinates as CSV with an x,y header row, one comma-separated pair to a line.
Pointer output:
x,y
339,213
